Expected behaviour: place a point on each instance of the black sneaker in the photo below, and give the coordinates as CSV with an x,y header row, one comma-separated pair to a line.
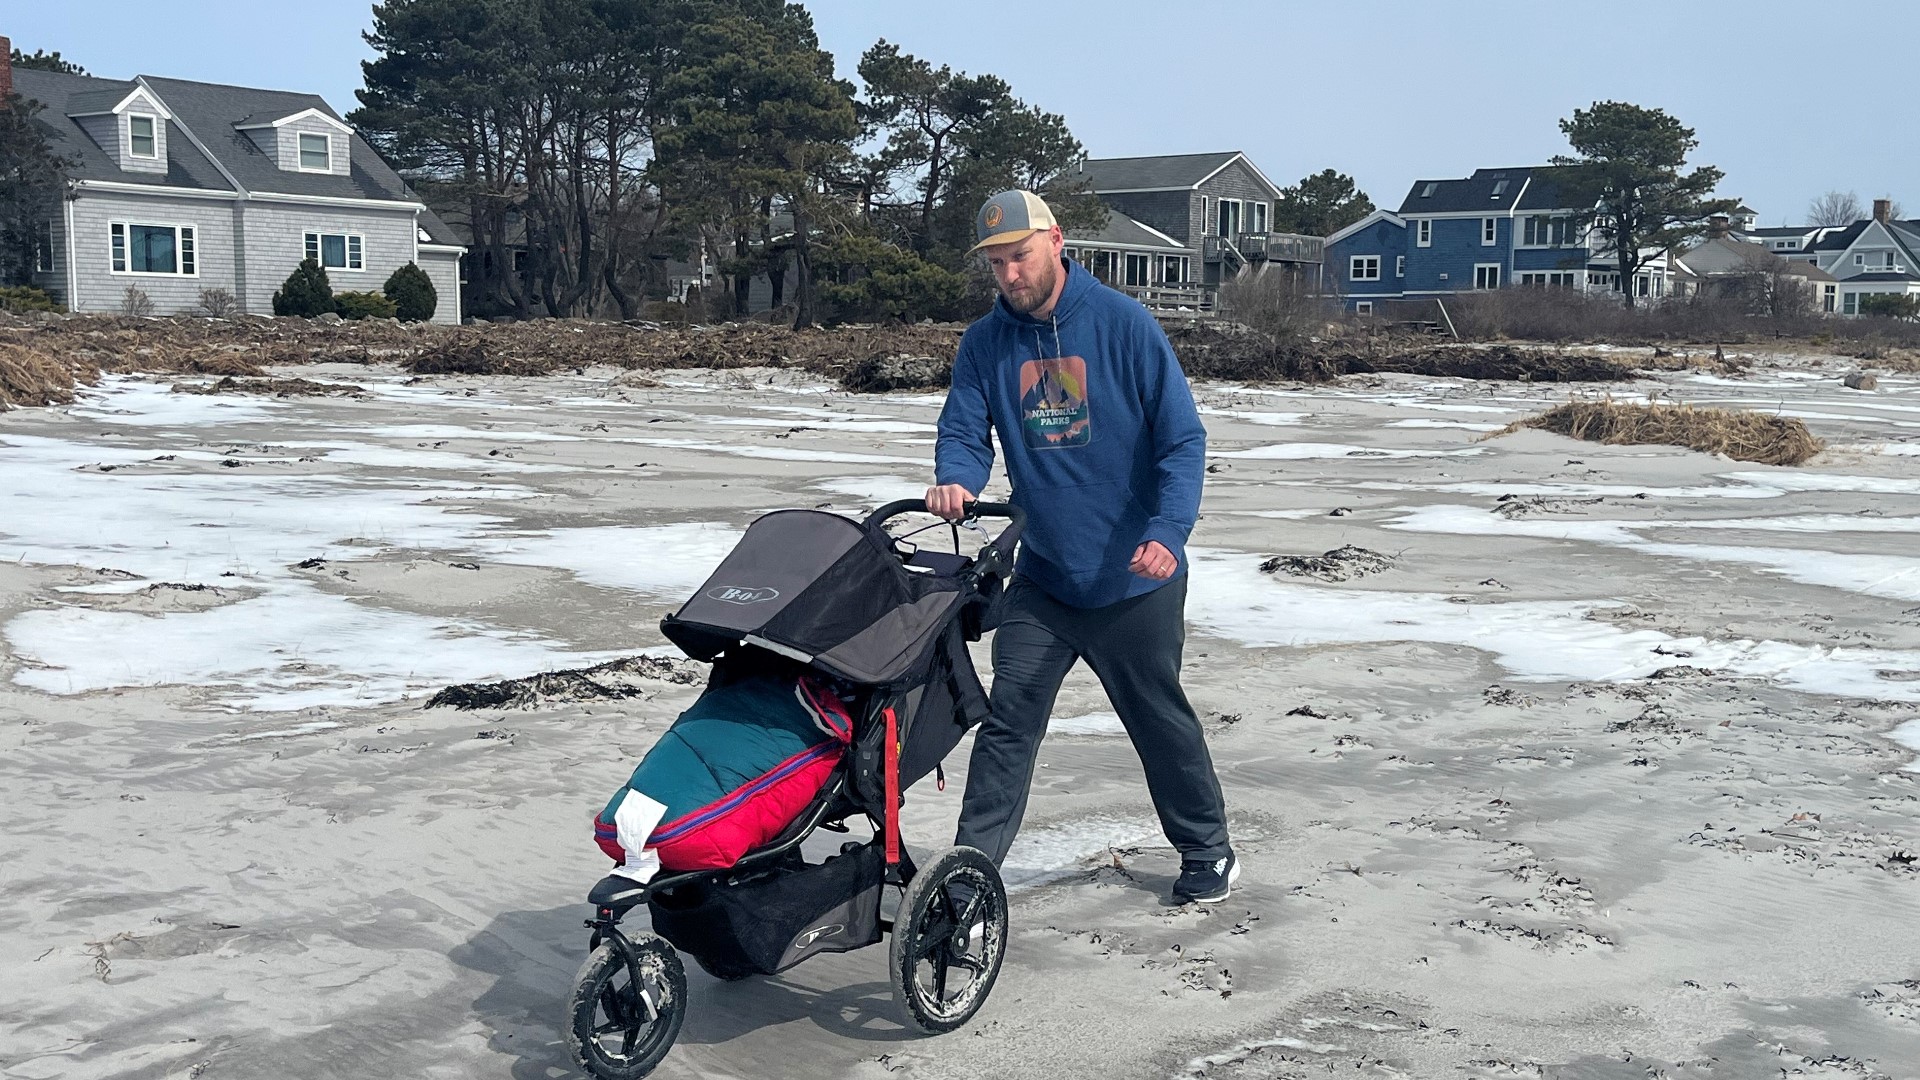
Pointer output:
x,y
1206,881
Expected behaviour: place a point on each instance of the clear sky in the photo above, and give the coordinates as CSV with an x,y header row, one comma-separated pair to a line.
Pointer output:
x,y
1790,98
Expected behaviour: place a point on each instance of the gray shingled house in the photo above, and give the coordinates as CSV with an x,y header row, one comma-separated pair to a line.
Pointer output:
x,y
1182,224
181,187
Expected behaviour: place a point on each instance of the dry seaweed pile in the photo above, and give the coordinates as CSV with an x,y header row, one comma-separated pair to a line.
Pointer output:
x,y
276,387
1740,434
1209,351
41,357
614,680
1340,564
29,378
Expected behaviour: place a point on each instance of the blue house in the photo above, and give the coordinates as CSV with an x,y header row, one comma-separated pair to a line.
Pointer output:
x,y
1494,229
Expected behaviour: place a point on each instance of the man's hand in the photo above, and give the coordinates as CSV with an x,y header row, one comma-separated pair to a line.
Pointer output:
x,y
949,501
1153,560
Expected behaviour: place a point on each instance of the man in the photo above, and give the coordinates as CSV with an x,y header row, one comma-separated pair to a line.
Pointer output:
x,y
1107,454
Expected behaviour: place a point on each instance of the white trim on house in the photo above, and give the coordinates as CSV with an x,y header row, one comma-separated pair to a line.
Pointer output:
x,y
1480,279
304,114
1423,233
1240,155
1399,266
73,264
1519,197
158,189
1159,234
184,237
1377,215
334,200
1412,214
1363,307
1356,262
1489,231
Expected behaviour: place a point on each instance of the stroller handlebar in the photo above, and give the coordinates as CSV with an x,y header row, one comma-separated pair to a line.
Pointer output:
x,y
973,510
1004,543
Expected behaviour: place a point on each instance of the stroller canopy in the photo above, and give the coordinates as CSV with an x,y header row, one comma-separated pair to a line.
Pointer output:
x,y
821,589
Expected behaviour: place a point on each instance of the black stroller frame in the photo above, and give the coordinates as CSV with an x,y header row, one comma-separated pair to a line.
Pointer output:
x,y
949,931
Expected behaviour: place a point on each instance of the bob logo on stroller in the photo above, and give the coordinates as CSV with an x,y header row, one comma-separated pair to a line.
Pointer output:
x,y
868,645
734,594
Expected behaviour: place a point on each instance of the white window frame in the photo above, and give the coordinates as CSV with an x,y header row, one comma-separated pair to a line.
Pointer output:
x,y
1220,214
1423,233
1859,258
1180,263
1127,264
186,249
1372,271
1257,215
1489,231
43,248
1481,278
354,247
1363,307
153,136
300,151
1399,266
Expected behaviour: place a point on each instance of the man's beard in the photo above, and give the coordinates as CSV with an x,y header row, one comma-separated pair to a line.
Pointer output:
x,y
1034,293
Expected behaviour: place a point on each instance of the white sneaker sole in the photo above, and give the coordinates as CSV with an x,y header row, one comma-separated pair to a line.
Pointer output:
x,y
1233,875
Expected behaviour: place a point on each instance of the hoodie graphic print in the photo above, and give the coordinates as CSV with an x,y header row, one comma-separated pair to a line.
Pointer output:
x,y
1102,442
1053,403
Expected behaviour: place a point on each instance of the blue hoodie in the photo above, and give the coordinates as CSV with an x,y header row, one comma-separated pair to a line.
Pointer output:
x,y
1103,444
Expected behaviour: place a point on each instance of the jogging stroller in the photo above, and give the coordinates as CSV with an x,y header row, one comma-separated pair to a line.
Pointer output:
x,y
853,602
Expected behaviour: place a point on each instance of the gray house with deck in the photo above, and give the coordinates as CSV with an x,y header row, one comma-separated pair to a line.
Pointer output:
x,y
1181,225
183,187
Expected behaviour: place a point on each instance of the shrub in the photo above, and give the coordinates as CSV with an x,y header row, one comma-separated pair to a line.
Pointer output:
x,y
306,292
865,279
218,304
1890,306
412,293
135,302
363,305
24,298
1283,305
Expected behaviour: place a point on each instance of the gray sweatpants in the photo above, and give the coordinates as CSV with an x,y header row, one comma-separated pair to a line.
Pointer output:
x,y
1134,647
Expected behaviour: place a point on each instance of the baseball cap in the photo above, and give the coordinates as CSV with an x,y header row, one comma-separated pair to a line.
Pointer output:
x,y
1010,217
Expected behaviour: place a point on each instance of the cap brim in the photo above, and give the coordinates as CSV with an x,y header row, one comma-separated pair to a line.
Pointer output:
x,y
1013,236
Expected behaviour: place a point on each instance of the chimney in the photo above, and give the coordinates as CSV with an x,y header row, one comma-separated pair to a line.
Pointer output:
x,y
1882,208
6,69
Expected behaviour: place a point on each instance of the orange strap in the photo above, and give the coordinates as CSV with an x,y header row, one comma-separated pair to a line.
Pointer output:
x,y
893,791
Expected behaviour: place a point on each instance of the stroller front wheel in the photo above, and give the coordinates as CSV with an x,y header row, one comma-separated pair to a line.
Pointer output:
x,y
625,1011
949,938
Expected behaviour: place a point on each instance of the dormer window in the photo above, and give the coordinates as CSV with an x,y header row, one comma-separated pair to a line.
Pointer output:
x,y
316,153
143,142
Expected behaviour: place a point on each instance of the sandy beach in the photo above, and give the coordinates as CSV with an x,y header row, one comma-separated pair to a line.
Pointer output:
x,y
1602,769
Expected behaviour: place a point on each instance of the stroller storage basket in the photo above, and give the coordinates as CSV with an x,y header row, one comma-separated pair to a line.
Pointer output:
x,y
768,922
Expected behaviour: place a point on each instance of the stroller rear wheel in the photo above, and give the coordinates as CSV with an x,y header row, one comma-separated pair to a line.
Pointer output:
x,y
948,940
622,1018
